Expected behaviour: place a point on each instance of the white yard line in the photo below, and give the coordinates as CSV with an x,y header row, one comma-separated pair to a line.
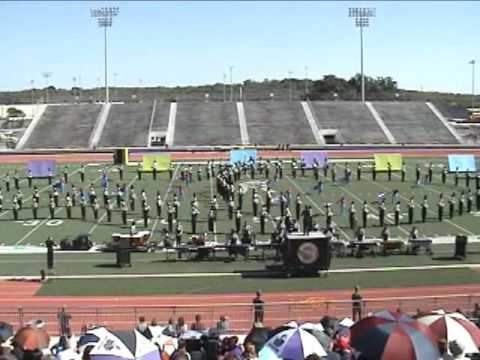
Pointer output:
x,y
43,222
430,211
155,223
211,197
93,228
371,207
314,204
39,191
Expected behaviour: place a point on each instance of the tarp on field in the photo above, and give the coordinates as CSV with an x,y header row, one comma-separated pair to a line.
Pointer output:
x,y
41,168
163,162
382,160
242,155
464,162
310,156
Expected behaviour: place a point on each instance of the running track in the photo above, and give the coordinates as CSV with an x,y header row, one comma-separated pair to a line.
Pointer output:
x,y
121,311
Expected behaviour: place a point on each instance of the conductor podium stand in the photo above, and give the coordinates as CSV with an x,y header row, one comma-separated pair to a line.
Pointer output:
x,y
123,251
306,254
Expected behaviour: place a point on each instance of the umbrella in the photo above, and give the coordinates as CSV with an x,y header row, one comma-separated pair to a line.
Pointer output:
x,y
29,338
258,336
6,331
314,329
292,344
124,345
453,326
393,336
166,342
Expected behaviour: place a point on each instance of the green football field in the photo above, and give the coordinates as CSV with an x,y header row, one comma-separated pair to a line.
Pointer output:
x,y
28,231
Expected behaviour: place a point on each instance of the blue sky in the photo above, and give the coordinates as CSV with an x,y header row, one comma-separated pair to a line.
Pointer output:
x,y
421,44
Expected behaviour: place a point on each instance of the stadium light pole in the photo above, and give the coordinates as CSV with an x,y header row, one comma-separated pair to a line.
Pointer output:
x,y
362,19
104,16
231,83
472,62
32,83
46,75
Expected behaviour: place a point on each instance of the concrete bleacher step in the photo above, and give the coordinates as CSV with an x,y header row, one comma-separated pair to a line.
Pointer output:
x,y
31,127
99,125
242,120
313,123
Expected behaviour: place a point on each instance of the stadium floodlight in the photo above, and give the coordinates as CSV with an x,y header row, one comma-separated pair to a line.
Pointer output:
x,y
104,17
46,75
362,19
472,62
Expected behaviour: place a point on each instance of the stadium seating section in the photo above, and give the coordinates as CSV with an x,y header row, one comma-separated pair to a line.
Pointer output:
x,y
268,123
127,125
64,126
277,123
212,123
352,119
413,123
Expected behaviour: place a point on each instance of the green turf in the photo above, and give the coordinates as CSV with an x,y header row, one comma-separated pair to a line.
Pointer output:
x,y
236,284
151,263
28,232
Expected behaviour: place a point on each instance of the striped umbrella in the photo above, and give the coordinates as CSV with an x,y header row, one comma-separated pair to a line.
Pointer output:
x,y
393,336
453,326
293,344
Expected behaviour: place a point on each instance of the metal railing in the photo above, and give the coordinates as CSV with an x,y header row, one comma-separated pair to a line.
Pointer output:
x,y
239,314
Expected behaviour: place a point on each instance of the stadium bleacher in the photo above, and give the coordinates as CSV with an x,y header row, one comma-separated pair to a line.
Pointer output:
x,y
64,126
413,122
451,112
272,122
127,125
352,119
212,123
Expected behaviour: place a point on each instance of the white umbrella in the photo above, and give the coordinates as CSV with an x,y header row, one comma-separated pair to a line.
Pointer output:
x,y
293,344
167,343
453,326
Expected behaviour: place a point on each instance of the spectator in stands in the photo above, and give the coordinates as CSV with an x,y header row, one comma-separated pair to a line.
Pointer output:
x,y
223,325
457,350
181,327
198,325
142,325
476,311
170,329
181,353
250,353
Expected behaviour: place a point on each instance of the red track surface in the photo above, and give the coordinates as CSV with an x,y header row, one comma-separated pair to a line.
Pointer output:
x,y
121,311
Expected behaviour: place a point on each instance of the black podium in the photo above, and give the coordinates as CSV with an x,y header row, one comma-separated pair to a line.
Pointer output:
x,y
461,246
123,250
306,254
